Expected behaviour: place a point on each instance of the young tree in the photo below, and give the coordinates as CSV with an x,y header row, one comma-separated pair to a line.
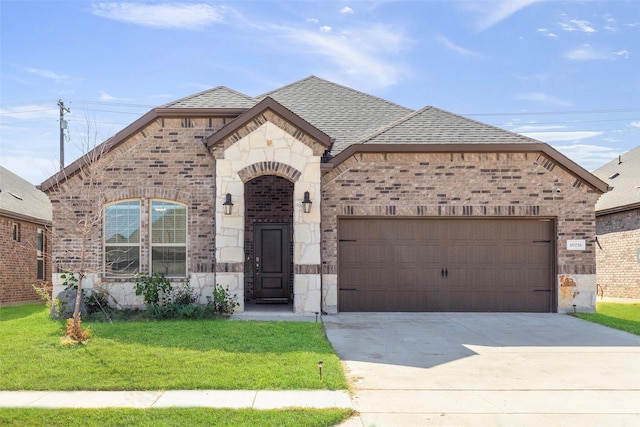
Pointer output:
x,y
77,199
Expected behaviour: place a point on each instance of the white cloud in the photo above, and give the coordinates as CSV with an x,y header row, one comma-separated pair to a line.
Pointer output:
x,y
622,53
635,124
47,74
590,157
491,13
562,135
547,33
536,128
544,98
326,29
31,112
346,10
572,25
587,53
162,15
454,47
312,20
361,54
104,96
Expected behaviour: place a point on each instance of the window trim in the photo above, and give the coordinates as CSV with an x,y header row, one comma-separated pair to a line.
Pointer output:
x,y
16,232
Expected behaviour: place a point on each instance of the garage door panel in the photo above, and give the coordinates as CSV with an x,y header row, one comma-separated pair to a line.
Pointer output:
x,y
445,265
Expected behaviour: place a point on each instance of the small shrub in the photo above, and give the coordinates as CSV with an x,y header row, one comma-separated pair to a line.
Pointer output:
x,y
70,281
96,300
184,295
223,302
154,289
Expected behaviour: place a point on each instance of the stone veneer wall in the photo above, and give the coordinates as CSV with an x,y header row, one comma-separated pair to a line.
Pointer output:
x,y
19,260
618,254
268,145
165,160
466,185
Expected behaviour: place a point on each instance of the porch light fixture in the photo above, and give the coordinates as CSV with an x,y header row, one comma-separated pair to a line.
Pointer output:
x,y
306,203
227,205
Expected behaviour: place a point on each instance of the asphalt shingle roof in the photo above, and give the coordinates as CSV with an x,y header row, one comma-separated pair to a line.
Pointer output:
x,y
218,97
341,112
432,125
20,197
624,176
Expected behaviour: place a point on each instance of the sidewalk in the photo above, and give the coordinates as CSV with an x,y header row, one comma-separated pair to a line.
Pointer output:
x,y
262,399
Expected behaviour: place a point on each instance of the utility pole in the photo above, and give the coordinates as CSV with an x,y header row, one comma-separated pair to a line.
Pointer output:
x,y
63,126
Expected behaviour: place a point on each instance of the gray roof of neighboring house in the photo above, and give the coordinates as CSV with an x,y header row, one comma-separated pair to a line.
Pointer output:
x,y
21,199
623,175
218,97
431,125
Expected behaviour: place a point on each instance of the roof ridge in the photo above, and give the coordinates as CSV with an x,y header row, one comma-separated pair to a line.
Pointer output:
x,y
313,77
391,125
486,125
195,95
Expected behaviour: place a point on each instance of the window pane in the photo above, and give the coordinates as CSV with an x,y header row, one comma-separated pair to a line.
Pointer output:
x,y
168,222
122,223
169,260
40,267
122,259
40,247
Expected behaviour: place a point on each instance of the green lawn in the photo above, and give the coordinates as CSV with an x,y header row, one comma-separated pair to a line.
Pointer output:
x,y
172,417
166,355
625,317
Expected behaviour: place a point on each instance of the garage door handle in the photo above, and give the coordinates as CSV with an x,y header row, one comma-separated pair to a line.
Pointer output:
x,y
348,289
542,290
444,272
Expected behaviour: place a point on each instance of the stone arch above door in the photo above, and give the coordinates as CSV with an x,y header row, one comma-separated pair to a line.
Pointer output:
x,y
269,168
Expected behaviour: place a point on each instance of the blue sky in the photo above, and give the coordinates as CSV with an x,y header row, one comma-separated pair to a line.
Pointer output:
x,y
566,73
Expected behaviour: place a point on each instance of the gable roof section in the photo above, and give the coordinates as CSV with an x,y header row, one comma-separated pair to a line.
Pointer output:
x,y
623,174
432,125
218,97
341,112
22,200
269,104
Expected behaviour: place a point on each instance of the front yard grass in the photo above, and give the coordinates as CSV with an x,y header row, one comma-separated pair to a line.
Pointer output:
x,y
172,417
165,355
625,317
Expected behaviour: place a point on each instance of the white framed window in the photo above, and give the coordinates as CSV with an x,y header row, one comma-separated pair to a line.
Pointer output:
x,y
122,237
40,250
168,230
16,232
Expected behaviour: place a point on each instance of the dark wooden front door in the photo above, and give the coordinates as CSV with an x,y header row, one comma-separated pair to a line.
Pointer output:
x,y
271,262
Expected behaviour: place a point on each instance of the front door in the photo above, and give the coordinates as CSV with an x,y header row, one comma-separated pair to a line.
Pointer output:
x,y
271,262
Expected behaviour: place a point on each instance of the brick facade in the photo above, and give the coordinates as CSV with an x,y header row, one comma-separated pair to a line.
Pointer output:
x,y
167,160
466,185
20,260
618,254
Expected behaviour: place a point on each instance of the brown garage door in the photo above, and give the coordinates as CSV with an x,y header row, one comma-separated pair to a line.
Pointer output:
x,y
446,265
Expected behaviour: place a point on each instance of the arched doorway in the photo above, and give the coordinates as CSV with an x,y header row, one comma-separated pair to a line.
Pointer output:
x,y
268,241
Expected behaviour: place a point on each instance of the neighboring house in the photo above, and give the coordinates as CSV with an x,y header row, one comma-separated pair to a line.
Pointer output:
x,y
25,227
336,200
618,228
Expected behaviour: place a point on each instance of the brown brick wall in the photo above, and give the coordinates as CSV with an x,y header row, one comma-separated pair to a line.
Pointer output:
x,y
617,254
166,160
461,185
19,269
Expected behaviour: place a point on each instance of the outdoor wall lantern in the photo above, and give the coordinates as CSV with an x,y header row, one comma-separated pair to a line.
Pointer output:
x,y
306,203
227,205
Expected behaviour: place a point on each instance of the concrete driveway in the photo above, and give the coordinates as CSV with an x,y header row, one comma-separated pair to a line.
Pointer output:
x,y
486,369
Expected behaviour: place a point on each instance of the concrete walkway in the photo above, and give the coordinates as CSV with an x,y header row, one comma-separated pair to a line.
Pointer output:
x,y
487,369
235,399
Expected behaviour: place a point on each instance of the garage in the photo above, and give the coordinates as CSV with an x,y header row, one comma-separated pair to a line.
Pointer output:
x,y
476,265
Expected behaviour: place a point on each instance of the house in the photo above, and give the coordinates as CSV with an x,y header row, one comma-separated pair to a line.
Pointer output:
x,y
618,228
25,227
335,200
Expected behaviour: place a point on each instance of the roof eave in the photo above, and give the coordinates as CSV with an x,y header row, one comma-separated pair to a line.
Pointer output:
x,y
618,209
542,147
22,217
